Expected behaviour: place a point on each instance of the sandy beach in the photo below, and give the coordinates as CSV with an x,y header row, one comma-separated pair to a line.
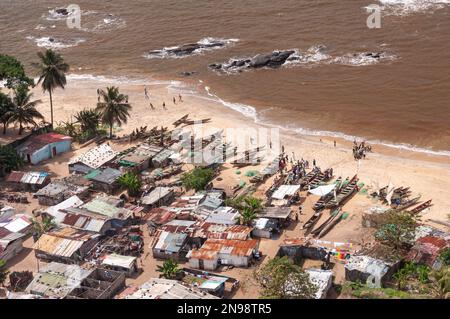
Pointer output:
x,y
427,175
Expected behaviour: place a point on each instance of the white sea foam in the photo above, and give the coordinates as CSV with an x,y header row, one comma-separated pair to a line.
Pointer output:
x,y
247,111
250,112
54,43
407,7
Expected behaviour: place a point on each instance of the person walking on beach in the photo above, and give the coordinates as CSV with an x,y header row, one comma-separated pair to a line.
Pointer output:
x,y
146,92
164,106
180,98
314,163
151,105
174,100
334,143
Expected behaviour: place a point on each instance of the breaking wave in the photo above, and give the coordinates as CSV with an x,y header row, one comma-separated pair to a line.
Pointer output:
x,y
54,43
407,7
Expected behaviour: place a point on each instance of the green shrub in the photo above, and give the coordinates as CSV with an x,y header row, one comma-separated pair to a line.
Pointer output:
x,y
197,179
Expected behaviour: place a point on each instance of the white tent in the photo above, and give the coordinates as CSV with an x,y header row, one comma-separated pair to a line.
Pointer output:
x,y
322,190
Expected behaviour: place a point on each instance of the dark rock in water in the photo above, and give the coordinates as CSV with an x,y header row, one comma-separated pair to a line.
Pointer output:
x,y
260,60
273,60
185,49
62,11
188,73
51,39
279,58
189,48
375,55
215,66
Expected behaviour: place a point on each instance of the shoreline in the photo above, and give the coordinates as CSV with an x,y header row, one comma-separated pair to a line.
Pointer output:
x,y
425,174
190,87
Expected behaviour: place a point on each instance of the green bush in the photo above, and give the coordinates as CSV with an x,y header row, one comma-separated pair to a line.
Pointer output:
x,y
197,179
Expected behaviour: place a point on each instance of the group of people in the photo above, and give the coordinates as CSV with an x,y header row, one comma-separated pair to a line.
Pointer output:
x,y
147,97
360,150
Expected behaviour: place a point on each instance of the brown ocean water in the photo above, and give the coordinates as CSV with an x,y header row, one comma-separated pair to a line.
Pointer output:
x,y
403,99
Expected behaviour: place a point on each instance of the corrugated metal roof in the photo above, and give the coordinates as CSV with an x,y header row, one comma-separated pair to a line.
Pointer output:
x,y
96,157
158,288
15,177
57,246
116,260
212,247
156,194
19,223
170,242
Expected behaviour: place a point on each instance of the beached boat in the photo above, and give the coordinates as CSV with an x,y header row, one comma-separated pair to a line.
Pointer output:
x,y
304,181
418,209
320,178
345,194
320,204
333,214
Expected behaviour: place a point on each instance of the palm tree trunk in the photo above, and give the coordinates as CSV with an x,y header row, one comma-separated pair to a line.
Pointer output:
x,y
51,107
20,129
4,127
110,130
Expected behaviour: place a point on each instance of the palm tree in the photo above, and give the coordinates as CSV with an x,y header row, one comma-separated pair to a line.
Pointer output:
x,y
24,110
89,120
169,269
247,216
52,73
442,278
114,108
42,227
6,105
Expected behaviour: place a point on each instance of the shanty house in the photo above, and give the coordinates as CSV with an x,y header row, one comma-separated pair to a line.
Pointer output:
x,y
56,280
163,158
11,243
265,228
19,223
216,252
104,180
39,148
93,159
26,181
61,281
281,215
125,264
366,269
160,196
140,158
170,245
65,245
158,288
158,216
100,284
427,251
223,215
60,190
100,206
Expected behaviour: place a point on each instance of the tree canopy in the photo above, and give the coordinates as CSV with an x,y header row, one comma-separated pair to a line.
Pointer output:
x,y
280,278
197,179
13,72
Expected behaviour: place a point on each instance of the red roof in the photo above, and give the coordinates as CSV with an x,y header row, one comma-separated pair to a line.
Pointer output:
x,y
15,177
435,241
50,138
